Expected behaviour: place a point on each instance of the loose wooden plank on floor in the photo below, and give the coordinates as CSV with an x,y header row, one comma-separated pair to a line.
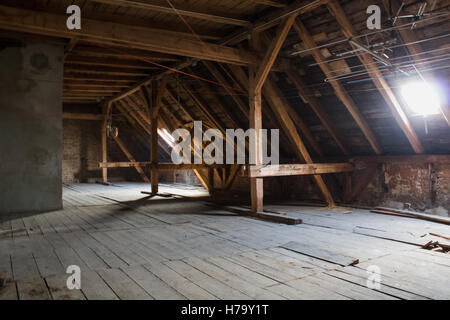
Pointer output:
x,y
320,253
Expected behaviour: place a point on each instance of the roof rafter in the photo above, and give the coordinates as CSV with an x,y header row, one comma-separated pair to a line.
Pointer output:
x,y
382,85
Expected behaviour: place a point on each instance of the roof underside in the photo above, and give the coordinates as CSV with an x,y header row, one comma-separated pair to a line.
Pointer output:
x,y
97,70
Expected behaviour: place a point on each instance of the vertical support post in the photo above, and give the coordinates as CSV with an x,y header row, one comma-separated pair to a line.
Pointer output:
x,y
255,117
106,111
154,111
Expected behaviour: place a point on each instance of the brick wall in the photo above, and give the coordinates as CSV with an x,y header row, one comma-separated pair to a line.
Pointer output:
x,y
82,151
419,187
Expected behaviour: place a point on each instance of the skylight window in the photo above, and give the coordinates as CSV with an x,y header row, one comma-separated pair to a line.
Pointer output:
x,y
421,97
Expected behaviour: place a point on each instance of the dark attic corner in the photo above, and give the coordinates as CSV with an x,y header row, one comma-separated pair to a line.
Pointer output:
x,y
224,150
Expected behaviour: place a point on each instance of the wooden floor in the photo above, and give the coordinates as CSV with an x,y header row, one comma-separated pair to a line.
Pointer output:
x,y
130,246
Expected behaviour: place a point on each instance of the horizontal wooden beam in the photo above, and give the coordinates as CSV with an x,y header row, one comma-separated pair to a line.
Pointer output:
x,y
160,166
82,116
280,170
168,10
157,40
412,159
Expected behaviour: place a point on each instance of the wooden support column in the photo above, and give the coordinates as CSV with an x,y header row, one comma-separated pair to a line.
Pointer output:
x,y
257,77
107,110
158,89
255,116
383,87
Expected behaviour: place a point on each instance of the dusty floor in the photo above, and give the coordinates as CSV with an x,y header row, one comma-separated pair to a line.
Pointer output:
x,y
129,246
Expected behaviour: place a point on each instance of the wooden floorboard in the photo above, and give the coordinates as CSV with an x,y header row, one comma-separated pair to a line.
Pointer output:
x,y
129,246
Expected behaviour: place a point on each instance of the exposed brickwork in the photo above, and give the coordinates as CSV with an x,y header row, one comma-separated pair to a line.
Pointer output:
x,y
82,151
418,187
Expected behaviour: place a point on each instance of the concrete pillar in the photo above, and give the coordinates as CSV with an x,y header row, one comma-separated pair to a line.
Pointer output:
x,y
31,82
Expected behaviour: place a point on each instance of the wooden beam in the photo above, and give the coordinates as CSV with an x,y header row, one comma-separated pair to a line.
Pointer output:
x,y
169,10
297,169
272,51
130,157
156,97
341,93
271,3
318,109
82,116
255,118
160,166
119,52
107,109
382,85
157,40
109,62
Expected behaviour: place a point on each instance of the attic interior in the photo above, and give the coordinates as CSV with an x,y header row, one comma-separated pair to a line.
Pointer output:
x,y
86,151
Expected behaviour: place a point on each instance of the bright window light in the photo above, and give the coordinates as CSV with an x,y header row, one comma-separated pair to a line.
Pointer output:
x,y
167,137
421,98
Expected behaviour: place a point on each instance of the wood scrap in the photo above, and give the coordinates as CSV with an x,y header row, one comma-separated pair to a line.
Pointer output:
x,y
411,214
440,236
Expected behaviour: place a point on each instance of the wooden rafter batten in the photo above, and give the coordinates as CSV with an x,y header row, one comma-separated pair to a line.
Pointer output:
x,y
271,3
